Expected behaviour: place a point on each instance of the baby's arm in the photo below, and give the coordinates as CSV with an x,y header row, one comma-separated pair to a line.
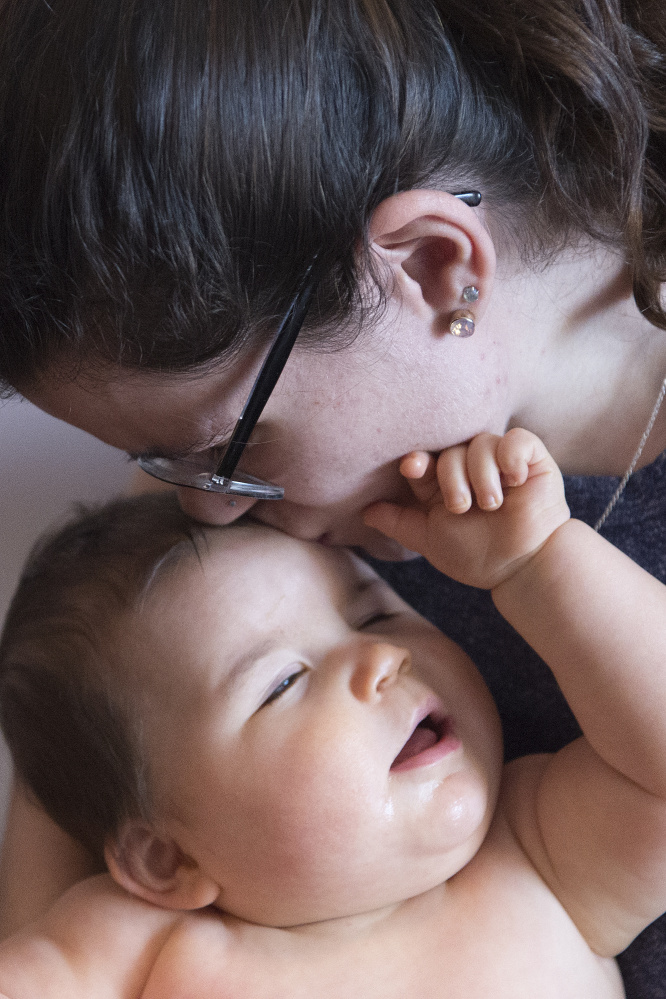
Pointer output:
x,y
592,817
39,862
96,942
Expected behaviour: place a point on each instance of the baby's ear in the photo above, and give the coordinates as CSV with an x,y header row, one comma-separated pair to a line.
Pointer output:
x,y
154,868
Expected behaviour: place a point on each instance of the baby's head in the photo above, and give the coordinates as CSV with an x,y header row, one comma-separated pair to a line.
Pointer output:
x,y
237,718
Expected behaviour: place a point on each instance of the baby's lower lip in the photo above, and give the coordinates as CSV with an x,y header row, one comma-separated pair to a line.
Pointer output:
x,y
421,751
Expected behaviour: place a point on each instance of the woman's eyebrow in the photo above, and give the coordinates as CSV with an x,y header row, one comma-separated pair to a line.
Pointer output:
x,y
186,451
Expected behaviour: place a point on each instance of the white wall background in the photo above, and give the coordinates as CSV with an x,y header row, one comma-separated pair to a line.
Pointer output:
x,y
45,467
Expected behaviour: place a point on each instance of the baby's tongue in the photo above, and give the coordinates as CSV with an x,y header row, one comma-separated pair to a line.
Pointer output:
x,y
420,740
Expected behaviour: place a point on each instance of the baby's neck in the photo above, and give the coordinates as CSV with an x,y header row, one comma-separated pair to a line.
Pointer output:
x,y
363,927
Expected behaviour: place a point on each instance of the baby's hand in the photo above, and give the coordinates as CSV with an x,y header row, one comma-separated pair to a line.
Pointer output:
x,y
481,509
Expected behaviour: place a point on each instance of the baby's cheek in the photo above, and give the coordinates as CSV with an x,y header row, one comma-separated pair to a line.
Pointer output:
x,y
325,806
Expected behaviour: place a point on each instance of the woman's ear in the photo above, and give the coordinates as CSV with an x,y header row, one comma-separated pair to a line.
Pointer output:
x,y
154,868
434,246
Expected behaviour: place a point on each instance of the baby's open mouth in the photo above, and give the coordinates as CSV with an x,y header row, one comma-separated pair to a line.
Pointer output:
x,y
429,731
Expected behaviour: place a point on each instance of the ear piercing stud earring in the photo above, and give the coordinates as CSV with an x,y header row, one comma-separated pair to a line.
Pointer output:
x,y
462,321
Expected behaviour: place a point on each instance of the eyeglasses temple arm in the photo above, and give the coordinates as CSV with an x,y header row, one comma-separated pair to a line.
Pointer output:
x,y
272,367
268,376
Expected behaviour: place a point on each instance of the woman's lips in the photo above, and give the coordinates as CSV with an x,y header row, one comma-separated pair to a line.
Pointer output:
x,y
432,739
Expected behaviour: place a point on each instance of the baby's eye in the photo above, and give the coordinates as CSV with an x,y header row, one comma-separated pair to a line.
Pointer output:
x,y
284,685
376,618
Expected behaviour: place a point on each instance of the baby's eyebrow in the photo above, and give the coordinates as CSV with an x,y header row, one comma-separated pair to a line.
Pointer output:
x,y
364,585
242,665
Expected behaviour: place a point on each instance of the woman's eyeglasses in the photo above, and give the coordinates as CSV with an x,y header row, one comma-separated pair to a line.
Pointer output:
x,y
220,475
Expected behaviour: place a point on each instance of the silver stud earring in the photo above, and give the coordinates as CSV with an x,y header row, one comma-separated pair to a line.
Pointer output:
x,y
470,293
462,323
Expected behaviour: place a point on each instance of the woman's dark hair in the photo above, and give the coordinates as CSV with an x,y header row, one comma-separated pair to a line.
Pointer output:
x,y
70,715
168,168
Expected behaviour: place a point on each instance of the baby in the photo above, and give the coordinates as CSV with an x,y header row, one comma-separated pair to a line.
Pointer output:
x,y
296,782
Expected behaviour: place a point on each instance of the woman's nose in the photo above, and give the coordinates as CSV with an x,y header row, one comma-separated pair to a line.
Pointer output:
x,y
213,508
376,668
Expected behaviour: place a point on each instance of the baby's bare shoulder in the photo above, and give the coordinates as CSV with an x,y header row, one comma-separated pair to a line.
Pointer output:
x,y
517,809
96,942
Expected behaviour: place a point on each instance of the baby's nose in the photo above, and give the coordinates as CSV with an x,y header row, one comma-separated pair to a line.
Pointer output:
x,y
377,666
213,508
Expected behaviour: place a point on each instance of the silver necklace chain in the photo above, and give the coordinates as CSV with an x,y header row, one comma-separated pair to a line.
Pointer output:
x,y
639,451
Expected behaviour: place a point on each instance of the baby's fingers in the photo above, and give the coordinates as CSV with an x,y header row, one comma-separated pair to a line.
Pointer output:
x,y
418,467
484,472
519,455
453,479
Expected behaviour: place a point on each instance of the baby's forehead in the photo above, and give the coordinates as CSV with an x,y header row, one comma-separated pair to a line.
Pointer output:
x,y
249,570
265,558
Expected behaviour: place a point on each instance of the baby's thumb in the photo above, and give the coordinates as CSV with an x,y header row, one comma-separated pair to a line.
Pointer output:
x,y
406,525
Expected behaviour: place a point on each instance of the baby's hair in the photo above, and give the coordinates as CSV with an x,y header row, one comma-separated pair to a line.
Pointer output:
x,y
169,168
69,712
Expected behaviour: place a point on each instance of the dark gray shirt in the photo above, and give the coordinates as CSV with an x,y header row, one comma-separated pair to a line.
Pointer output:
x,y
535,716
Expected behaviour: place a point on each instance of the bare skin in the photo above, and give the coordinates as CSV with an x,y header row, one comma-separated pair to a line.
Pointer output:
x,y
560,349
529,889
31,833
